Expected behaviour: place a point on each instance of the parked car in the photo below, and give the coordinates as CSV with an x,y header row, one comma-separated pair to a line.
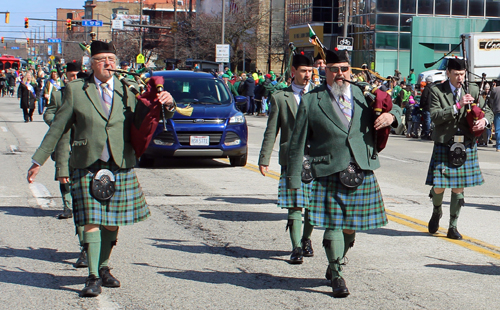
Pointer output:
x,y
216,128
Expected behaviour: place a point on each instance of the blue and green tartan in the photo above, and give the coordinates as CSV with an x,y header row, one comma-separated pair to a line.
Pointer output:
x,y
335,206
298,198
126,207
441,175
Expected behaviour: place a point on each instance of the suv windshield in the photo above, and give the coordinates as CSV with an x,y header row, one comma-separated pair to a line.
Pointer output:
x,y
197,91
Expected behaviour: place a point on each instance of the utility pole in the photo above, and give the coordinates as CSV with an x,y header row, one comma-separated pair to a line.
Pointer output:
x,y
346,17
175,33
221,66
140,23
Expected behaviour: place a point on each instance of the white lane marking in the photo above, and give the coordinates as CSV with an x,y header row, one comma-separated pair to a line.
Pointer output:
x,y
392,158
106,304
4,129
42,195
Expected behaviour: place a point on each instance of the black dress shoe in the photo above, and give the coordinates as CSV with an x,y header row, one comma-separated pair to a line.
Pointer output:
x,y
453,233
81,262
67,214
92,286
307,249
434,223
339,289
297,256
108,280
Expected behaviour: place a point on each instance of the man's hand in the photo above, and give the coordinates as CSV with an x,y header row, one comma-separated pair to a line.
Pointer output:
x,y
32,172
165,98
467,99
479,125
46,96
63,180
385,119
263,169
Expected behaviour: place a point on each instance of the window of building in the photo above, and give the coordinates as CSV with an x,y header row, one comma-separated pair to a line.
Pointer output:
x,y
322,14
405,41
493,8
459,7
443,7
387,6
425,6
405,23
386,40
408,6
476,7
387,22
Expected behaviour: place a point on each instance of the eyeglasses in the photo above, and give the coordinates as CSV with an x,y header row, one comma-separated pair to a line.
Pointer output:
x,y
336,69
103,59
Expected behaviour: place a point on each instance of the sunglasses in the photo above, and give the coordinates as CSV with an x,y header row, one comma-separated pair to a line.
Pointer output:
x,y
336,69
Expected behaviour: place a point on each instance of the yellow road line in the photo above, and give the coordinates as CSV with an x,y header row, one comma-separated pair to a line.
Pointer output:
x,y
416,224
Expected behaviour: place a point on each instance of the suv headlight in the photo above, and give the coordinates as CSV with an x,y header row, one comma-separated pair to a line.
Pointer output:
x,y
238,118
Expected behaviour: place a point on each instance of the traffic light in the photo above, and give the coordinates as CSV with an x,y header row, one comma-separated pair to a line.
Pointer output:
x,y
28,41
173,28
68,24
7,17
26,22
2,40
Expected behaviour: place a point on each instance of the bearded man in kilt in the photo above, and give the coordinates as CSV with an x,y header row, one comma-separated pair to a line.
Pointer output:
x,y
339,125
100,111
454,135
284,106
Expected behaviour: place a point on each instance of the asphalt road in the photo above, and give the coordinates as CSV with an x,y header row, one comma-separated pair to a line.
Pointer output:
x,y
216,239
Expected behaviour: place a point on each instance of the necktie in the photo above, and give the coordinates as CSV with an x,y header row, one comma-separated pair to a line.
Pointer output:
x,y
106,97
455,95
346,107
302,92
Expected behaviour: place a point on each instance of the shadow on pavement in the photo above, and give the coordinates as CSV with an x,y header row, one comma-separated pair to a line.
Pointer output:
x,y
243,200
482,206
41,280
231,251
28,211
254,281
45,254
491,269
392,232
242,216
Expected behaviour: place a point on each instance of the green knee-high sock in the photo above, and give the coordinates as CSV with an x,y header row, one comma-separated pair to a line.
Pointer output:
x,y
437,201
308,228
66,194
295,226
79,232
348,241
333,242
93,243
108,240
456,203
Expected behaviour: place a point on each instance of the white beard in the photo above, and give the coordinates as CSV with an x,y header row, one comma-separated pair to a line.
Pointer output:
x,y
339,90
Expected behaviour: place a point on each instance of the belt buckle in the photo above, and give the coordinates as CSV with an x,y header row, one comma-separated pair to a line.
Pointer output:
x,y
458,139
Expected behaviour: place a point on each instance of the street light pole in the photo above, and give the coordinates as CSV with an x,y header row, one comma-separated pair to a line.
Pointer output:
x,y
140,23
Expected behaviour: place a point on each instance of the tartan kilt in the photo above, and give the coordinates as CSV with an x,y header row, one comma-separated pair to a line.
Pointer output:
x,y
441,175
298,198
126,207
336,207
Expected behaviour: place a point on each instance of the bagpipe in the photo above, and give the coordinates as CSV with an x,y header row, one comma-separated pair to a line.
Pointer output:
x,y
474,111
148,108
381,102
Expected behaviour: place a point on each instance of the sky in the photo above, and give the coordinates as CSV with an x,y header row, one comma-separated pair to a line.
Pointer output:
x,y
19,9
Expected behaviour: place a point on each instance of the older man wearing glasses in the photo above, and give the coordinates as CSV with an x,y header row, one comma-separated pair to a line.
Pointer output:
x,y
338,124
106,192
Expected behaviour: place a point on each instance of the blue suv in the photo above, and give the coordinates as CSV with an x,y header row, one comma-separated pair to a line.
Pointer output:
x,y
216,128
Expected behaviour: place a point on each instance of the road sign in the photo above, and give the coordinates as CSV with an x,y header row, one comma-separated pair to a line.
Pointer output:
x,y
14,47
91,23
139,59
54,40
345,43
222,52
117,24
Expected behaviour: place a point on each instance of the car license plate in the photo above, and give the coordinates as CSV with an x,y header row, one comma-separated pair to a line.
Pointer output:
x,y
199,140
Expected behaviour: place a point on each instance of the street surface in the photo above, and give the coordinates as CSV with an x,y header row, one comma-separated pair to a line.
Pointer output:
x,y
216,239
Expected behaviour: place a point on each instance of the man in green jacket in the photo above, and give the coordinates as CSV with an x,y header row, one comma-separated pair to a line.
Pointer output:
x,y
61,157
339,126
452,134
284,105
101,111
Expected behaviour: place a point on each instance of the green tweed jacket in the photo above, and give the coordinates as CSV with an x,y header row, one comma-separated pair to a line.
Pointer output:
x,y
82,109
63,147
446,123
284,108
333,141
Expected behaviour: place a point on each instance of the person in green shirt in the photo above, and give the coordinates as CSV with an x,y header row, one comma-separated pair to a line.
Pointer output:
x,y
231,87
412,80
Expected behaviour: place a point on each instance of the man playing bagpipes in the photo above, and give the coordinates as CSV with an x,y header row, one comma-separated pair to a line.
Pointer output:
x,y
341,129
106,193
457,113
